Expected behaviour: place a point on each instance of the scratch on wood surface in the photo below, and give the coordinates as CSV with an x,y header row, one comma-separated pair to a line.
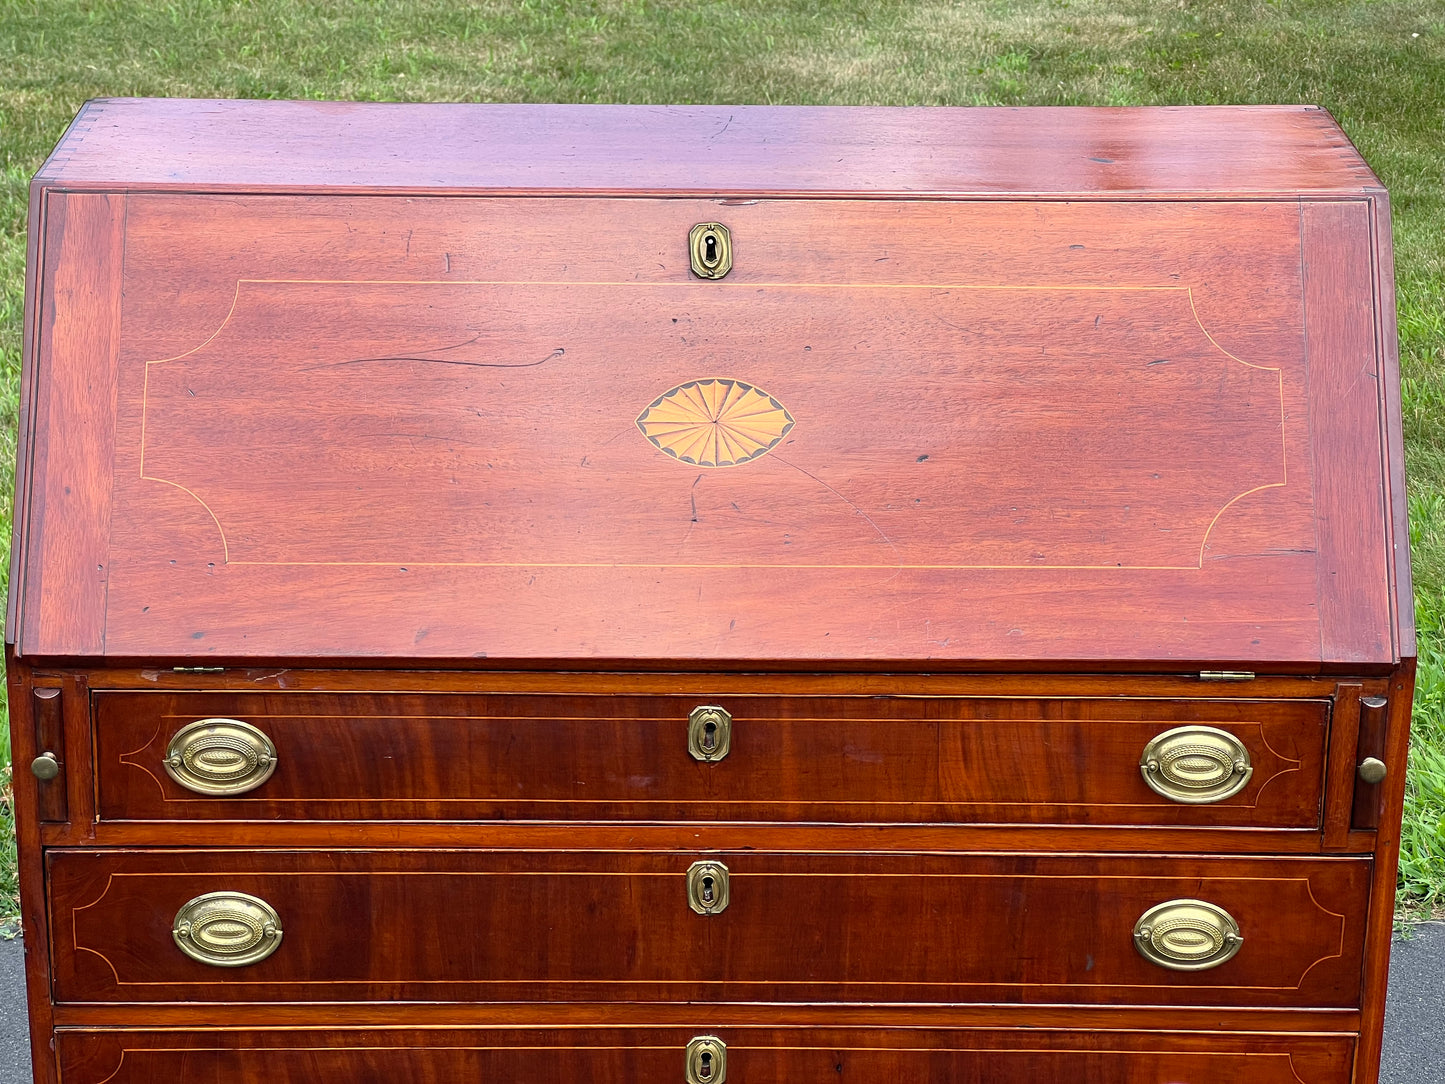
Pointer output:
x,y
887,541
422,356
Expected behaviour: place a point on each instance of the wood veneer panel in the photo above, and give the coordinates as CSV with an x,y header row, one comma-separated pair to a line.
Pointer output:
x,y
25,415
735,835
1387,332
942,495
30,864
722,150
1341,338
1391,797
74,407
471,678
364,926
644,1056
1019,1019
806,759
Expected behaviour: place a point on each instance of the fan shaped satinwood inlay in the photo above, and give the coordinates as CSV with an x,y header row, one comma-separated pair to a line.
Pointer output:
x,y
715,422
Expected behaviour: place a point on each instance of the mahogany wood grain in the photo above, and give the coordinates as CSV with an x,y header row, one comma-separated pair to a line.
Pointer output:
x,y
30,865
1383,885
1371,742
655,1056
398,926
1079,402
791,760
1024,1019
68,506
705,150
50,738
938,498
1402,596
1346,379
712,835
26,415
1340,775
368,678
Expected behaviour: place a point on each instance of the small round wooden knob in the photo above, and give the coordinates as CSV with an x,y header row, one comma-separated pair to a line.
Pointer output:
x,y
1372,770
45,766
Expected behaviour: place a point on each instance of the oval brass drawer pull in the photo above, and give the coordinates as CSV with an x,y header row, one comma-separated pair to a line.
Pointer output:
x,y
1187,935
709,732
227,929
1196,764
707,1060
220,757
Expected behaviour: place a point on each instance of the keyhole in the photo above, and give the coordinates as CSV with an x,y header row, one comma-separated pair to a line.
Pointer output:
x,y
709,736
709,249
705,1070
707,896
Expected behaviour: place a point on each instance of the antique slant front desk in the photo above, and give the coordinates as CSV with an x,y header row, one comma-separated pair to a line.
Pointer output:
x,y
708,595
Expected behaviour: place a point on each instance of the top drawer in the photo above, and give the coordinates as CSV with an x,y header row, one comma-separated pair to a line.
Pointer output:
x,y
320,756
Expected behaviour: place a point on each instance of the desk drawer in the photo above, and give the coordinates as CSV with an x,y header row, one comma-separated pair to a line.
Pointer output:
x,y
540,926
801,759
659,1055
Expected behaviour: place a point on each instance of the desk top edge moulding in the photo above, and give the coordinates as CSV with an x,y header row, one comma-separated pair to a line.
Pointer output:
x,y
684,594
963,472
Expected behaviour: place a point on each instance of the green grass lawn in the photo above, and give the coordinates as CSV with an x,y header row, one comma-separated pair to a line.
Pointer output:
x,y
1378,66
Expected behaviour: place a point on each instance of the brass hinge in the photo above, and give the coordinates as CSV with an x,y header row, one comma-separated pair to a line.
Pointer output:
x,y
1226,675
198,669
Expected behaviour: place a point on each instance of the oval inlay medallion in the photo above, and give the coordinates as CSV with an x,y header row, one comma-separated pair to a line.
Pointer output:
x,y
715,422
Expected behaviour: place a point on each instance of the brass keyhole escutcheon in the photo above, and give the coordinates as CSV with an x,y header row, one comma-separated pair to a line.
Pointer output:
x,y
709,732
707,887
707,1060
711,247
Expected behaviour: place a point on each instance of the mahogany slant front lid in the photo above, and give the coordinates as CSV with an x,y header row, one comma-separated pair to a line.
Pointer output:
x,y
1109,387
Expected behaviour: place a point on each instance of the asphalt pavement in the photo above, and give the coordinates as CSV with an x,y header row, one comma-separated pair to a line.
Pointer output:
x,y
1414,1014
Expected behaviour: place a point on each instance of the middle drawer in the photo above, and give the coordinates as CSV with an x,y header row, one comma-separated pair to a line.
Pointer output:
x,y
836,759
738,926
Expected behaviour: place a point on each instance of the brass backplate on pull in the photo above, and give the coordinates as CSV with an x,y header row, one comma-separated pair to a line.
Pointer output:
x,y
1187,935
227,929
220,757
707,887
1196,764
711,247
707,1060
709,732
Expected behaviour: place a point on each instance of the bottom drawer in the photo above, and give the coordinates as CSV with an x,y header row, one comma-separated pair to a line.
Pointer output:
x,y
739,1055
